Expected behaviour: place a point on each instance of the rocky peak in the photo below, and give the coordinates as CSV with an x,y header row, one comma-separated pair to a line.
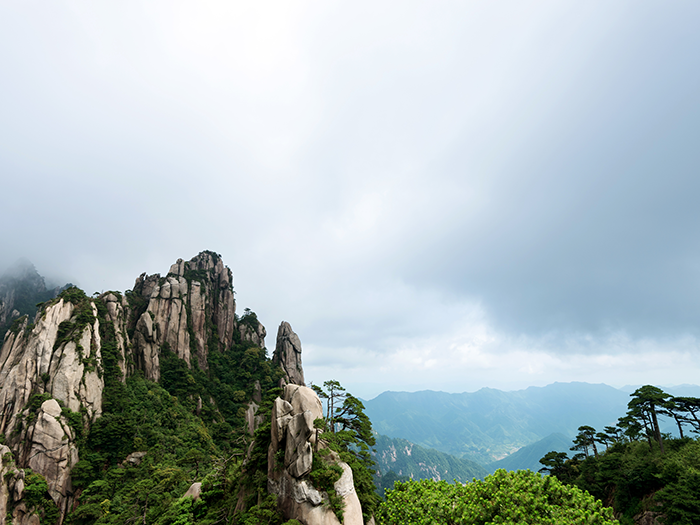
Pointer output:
x,y
288,354
191,311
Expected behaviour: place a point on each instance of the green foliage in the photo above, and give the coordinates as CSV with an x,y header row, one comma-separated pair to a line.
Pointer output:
x,y
349,433
17,324
386,481
639,470
184,441
37,498
249,318
72,329
521,497
554,463
323,475
635,478
182,447
680,473
263,513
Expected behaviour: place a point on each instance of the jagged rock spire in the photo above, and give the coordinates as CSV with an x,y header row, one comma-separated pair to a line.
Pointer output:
x,y
288,354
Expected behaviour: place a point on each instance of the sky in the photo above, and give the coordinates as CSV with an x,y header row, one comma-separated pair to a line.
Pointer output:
x,y
436,195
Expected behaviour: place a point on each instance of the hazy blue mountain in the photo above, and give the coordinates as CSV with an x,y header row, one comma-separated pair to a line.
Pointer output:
x,y
408,459
677,391
529,457
490,424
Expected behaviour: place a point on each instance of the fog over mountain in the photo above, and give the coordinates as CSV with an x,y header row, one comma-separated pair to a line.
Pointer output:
x,y
437,196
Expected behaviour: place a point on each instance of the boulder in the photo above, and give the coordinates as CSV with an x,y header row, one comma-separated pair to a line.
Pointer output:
x,y
134,459
194,491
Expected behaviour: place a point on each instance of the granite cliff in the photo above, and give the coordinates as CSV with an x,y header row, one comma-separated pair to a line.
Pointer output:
x,y
73,379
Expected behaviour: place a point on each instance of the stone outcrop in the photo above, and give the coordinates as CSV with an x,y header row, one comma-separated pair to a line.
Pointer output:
x,y
47,446
55,363
32,362
293,432
35,361
253,331
288,354
60,356
182,310
11,487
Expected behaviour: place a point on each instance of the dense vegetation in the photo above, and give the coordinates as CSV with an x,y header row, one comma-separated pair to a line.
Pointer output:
x,y
633,466
521,497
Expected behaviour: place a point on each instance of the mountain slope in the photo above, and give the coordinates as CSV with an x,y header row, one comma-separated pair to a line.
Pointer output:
x,y
489,424
529,456
408,459
21,288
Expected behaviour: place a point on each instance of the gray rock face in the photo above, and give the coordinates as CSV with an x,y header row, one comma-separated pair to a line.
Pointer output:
x,y
252,419
288,354
293,431
8,480
255,334
177,311
29,364
191,311
33,361
47,446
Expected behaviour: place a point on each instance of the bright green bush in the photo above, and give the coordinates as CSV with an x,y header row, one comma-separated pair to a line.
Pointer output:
x,y
521,497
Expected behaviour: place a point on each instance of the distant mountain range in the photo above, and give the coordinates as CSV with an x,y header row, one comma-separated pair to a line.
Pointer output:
x,y
490,426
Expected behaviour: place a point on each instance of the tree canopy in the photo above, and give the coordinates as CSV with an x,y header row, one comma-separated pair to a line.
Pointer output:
x,y
521,497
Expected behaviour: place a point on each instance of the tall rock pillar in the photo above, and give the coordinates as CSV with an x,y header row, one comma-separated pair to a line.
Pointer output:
x,y
288,354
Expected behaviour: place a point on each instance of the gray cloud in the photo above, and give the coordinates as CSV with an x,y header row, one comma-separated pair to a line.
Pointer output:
x,y
512,177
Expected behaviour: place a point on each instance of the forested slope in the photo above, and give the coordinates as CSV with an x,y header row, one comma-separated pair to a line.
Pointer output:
x,y
644,474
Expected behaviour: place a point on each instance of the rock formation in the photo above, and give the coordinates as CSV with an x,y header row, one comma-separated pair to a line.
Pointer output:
x,y
8,481
52,379
59,357
293,432
288,354
178,307
47,446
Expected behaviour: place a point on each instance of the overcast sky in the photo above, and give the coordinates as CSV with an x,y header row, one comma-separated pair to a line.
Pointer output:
x,y
436,195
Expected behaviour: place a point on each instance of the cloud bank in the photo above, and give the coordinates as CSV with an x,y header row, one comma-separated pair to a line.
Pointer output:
x,y
447,197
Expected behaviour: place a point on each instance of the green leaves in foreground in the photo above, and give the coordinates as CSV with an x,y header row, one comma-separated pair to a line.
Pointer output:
x,y
521,497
